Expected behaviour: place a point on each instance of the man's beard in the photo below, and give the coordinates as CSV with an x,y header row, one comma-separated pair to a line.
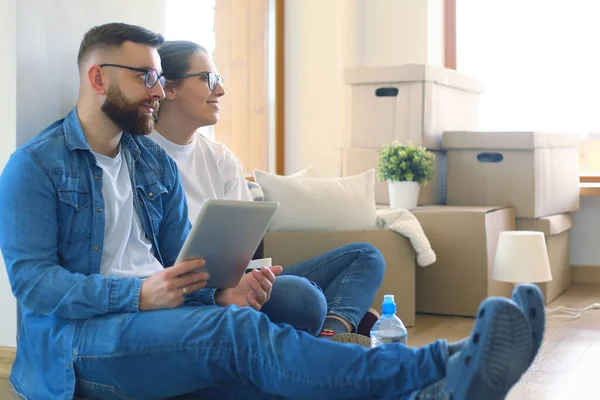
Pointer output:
x,y
126,115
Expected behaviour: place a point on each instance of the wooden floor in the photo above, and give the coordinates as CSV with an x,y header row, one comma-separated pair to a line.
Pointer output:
x,y
565,368
569,358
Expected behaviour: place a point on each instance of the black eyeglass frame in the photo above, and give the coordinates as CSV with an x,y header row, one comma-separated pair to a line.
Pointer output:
x,y
147,73
212,79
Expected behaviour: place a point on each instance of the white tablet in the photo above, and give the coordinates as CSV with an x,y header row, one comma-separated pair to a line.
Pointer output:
x,y
226,235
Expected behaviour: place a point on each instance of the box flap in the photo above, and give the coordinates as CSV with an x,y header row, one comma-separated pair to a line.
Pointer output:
x,y
463,209
514,140
551,225
412,73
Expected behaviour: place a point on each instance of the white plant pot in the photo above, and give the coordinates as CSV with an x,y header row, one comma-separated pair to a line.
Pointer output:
x,y
404,194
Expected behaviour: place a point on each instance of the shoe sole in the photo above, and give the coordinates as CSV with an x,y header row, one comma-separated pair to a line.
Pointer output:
x,y
353,338
530,299
495,356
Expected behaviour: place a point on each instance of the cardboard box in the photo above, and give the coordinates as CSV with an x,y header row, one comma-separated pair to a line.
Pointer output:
x,y
465,241
556,230
537,173
355,161
289,248
412,102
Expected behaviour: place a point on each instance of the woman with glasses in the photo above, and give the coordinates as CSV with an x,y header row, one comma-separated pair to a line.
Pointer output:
x,y
192,93
327,295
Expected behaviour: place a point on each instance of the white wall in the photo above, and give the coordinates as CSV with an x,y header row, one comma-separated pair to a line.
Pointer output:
x,y
40,39
322,39
585,238
313,84
398,32
8,128
435,33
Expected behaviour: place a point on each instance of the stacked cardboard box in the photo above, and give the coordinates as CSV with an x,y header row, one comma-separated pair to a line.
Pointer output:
x,y
410,103
464,240
485,182
535,172
497,181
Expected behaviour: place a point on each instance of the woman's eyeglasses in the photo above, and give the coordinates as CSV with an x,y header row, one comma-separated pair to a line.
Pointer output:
x,y
151,77
211,78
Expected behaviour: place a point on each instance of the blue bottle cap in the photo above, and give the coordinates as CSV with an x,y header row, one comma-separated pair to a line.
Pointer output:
x,y
389,305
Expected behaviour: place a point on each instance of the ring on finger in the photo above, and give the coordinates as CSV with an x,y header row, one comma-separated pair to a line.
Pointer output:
x,y
185,291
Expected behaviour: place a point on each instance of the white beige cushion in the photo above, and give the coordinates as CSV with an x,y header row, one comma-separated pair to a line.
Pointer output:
x,y
257,193
312,204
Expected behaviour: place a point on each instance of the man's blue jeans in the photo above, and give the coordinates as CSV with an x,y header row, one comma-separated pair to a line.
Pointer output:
x,y
238,353
341,282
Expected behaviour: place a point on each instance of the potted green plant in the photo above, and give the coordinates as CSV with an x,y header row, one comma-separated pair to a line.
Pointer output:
x,y
405,167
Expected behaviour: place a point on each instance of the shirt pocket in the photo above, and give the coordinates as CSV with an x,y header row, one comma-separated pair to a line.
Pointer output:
x,y
153,196
74,216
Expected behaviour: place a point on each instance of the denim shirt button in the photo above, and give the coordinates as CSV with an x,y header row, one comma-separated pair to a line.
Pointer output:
x,y
95,177
99,210
150,194
96,248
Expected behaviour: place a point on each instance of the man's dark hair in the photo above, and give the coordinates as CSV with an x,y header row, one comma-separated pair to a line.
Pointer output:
x,y
175,57
110,36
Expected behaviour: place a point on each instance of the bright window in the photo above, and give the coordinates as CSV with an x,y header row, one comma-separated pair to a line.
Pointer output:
x,y
540,62
192,20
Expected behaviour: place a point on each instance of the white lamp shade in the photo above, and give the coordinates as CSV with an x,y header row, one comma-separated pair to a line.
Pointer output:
x,y
522,257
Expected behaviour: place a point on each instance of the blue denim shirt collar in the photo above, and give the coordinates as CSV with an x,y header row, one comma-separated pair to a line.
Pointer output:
x,y
75,138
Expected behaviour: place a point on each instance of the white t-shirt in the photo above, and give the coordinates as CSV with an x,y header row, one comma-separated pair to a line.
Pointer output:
x,y
208,170
127,252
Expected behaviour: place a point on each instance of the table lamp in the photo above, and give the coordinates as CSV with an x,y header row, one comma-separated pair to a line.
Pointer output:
x,y
522,257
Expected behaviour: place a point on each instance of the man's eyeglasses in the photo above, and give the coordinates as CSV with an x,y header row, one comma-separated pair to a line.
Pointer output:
x,y
151,77
211,78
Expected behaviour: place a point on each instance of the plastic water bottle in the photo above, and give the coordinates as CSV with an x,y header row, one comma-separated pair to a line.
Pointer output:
x,y
388,328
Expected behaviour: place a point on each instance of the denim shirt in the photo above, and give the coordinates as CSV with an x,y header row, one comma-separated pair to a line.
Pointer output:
x,y
51,237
